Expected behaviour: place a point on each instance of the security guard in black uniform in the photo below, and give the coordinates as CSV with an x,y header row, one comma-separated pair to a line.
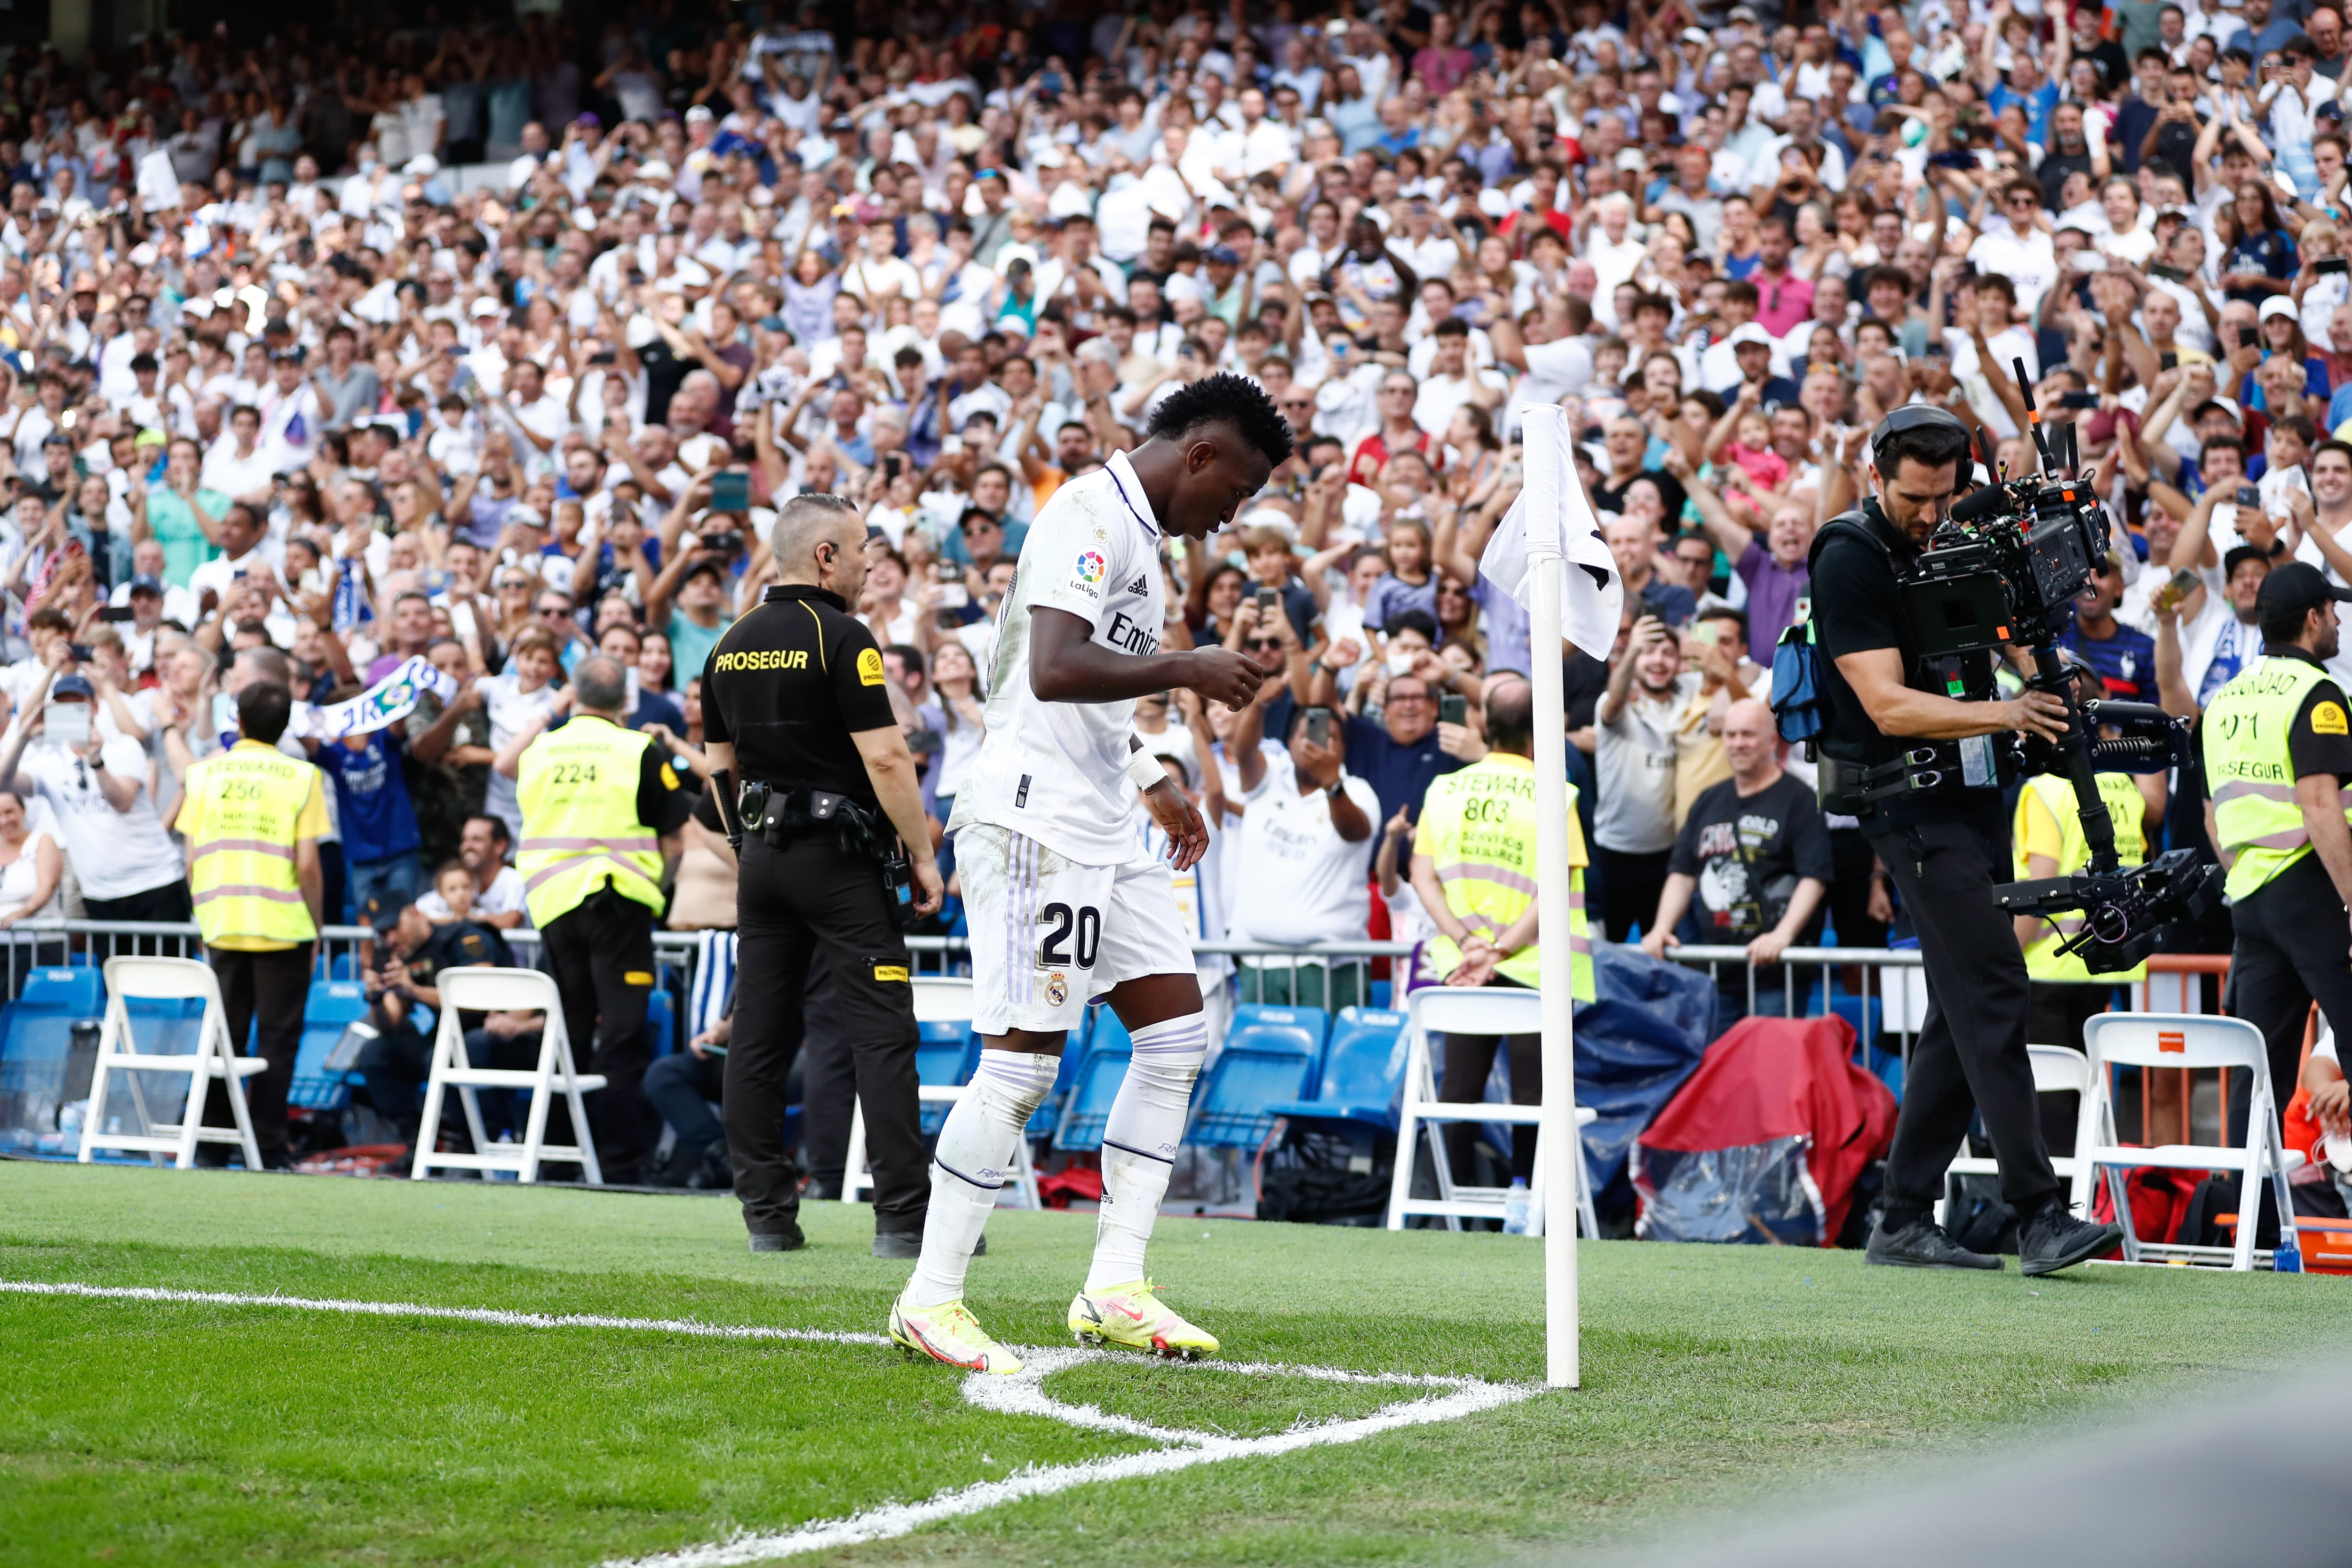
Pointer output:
x,y
1908,747
820,794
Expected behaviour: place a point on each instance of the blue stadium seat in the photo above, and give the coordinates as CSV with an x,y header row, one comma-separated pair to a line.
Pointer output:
x,y
80,991
1363,1073
1093,1084
37,1036
946,1054
1264,1061
1314,1020
334,1006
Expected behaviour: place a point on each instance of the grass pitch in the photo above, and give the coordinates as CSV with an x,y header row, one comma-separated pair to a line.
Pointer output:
x,y
138,1433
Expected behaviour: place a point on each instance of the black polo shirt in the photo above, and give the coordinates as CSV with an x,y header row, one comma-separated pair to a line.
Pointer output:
x,y
789,684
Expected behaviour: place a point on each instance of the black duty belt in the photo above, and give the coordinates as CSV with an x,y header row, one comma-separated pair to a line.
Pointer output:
x,y
779,812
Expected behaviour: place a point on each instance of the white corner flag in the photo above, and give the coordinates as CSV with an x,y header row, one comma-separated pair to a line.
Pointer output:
x,y
1554,518
1549,555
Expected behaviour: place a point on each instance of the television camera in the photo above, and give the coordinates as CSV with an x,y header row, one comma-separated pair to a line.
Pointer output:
x,y
2003,569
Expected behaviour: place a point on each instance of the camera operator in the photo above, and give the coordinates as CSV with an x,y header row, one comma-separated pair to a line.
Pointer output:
x,y
1909,747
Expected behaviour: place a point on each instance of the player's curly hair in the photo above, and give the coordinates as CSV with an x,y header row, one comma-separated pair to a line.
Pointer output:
x,y
1229,399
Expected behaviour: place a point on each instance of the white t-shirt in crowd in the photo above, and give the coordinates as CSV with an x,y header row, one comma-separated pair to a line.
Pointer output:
x,y
115,853
502,897
1634,807
511,708
1298,880
1056,772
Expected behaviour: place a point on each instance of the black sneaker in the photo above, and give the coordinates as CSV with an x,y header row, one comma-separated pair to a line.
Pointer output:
x,y
2051,1239
1922,1244
789,1240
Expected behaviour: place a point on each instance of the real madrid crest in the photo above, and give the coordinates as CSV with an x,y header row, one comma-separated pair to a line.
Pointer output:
x,y
1057,990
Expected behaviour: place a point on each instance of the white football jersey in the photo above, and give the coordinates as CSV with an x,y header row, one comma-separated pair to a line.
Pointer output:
x,y
1056,772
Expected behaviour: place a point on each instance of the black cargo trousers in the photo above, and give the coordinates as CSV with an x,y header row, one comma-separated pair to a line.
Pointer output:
x,y
801,896
1970,1055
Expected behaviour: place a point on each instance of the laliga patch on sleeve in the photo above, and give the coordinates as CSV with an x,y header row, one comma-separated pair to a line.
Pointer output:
x,y
869,667
2328,718
890,971
1086,572
637,977
669,777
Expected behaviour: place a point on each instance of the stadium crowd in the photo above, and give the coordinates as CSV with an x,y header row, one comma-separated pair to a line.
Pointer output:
x,y
498,346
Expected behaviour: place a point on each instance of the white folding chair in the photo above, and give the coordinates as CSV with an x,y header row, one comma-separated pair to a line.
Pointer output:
x,y
1486,1010
216,1057
937,1000
2057,1069
505,990
2195,1041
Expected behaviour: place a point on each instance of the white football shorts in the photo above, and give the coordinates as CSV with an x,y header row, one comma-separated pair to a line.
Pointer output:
x,y
1049,935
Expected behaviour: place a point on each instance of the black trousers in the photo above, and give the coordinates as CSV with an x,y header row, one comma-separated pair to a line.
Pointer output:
x,y
263,993
795,902
681,1086
600,953
1630,886
1969,1058
2293,938
828,1084
170,902
1469,1058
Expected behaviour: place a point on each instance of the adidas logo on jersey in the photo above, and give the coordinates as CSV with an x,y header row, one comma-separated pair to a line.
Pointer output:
x,y
1140,585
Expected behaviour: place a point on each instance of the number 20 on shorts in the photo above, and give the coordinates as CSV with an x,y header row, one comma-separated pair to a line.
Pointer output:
x,y
1059,922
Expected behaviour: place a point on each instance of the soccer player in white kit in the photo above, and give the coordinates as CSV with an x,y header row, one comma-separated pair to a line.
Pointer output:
x,y
1064,908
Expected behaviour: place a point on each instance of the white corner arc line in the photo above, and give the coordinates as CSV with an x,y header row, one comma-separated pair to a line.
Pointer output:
x,y
894,1520
1449,1398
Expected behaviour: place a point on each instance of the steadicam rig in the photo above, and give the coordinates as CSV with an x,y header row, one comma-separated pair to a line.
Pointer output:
x,y
2004,569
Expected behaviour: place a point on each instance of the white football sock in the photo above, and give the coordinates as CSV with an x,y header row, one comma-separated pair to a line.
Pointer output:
x,y
969,1164
1139,1140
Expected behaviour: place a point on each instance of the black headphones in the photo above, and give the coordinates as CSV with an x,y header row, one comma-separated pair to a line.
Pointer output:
x,y
1914,417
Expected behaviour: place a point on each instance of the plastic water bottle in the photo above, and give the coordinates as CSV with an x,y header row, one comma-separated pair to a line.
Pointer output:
x,y
1514,1208
2286,1257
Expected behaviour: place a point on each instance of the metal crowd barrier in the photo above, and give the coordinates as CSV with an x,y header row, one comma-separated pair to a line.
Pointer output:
x,y
1888,983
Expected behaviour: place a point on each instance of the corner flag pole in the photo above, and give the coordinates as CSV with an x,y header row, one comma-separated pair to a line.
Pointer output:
x,y
1556,961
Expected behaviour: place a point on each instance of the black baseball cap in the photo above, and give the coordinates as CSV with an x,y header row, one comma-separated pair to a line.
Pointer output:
x,y
2297,585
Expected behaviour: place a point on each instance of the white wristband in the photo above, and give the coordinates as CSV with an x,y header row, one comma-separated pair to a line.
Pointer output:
x,y
1144,770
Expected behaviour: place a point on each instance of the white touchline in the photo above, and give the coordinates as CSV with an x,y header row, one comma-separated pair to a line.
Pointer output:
x,y
1444,1399
489,1315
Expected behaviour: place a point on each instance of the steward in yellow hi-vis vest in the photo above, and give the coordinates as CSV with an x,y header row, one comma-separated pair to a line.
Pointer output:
x,y
581,832
251,818
597,801
2278,751
1473,868
1477,828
